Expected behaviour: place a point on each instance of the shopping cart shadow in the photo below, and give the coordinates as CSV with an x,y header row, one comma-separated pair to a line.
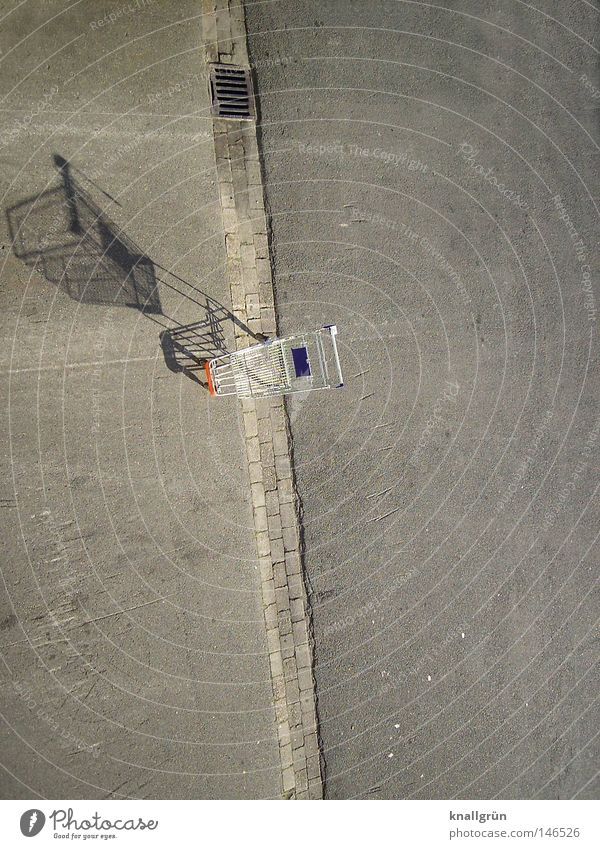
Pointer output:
x,y
68,239
186,348
63,235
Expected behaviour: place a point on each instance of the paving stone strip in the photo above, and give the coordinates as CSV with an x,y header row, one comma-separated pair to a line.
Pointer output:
x,y
266,426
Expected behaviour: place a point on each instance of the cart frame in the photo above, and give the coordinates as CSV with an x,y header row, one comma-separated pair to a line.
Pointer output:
x,y
304,362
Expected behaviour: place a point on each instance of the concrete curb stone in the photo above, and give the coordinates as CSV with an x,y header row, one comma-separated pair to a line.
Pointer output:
x,y
266,426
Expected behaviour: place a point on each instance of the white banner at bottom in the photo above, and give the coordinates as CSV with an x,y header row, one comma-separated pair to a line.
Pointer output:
x,y
150,823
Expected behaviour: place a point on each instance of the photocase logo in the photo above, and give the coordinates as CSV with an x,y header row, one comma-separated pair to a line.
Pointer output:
x,y
32,822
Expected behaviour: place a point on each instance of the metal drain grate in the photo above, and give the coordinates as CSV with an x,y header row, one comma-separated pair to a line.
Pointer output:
x,y
231,92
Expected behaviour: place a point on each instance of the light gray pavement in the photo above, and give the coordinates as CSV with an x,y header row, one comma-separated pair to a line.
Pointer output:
x,y
133,640
450,517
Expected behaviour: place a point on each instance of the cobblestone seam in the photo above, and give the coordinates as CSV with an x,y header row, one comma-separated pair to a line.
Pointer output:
x,y
266,426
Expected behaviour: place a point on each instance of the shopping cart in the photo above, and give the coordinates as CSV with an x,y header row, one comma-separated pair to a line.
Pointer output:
x,y
299,363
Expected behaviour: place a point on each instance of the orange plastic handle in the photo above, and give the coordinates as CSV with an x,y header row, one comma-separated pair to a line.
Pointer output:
x,y
209,377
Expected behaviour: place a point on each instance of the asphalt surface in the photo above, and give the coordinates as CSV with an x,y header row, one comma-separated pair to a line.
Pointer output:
x,y
132,635
432,177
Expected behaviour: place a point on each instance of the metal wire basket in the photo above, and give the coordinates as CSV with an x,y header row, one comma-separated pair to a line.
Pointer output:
x,y
299,363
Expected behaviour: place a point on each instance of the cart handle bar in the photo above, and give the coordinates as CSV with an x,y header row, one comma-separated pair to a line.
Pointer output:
x,y
209,378
333,331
